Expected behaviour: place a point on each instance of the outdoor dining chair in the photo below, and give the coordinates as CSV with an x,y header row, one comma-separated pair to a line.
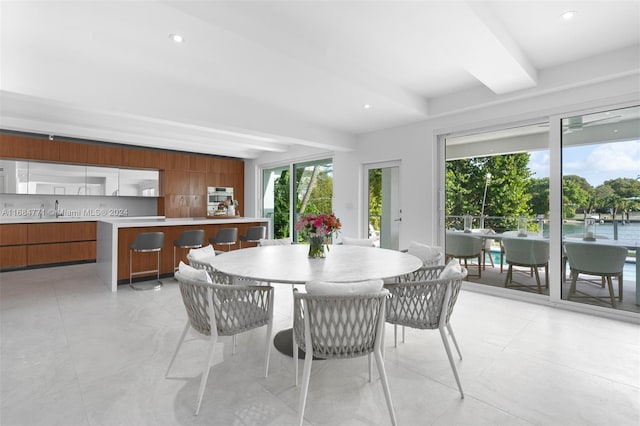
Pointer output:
x,y
601,260
464,246
529,253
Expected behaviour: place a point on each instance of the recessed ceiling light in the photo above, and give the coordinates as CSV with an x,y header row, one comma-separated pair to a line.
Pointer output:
x,y
177,38
366,106
568,15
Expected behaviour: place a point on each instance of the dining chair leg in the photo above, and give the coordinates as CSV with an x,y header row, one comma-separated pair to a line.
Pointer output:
x,y
205,373
268,343
611,295
385,386
538,279
295,360
447,348
175,353
455,342
572,288
403,328
620,287
306,374
395,335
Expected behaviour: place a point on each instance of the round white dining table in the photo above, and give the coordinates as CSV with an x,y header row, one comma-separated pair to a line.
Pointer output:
x,y
290,264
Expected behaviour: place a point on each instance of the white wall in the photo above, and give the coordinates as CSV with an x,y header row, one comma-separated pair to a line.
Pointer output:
x,y
416,148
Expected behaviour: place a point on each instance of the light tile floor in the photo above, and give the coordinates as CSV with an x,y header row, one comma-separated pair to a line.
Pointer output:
x,y
73,353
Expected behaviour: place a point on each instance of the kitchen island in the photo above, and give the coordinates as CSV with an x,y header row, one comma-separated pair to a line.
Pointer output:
x,y
115,234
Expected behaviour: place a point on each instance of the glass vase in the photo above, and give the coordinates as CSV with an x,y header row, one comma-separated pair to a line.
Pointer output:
x,y
317,247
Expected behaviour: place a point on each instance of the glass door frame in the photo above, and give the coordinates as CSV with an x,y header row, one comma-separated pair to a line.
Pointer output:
x,y
364,228
555,209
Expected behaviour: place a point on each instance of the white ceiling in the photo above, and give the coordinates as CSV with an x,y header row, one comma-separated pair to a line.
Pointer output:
x,y
265,75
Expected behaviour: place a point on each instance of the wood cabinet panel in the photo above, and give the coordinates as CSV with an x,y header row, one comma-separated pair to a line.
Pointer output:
x,y
59,232
155,159
176,182
43,149
197,184
13,257
198,163
13,234
71,152
177,161
133,157
12,146
42,254
105,155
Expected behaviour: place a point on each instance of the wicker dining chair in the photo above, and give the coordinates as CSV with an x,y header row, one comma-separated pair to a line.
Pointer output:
x,y
339,326
424,300
223,310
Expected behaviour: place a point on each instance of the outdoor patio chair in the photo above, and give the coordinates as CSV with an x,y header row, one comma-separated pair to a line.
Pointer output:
x,y
464,246
596,259
529,253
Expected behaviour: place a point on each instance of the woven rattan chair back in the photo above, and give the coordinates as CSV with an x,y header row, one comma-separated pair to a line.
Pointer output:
x,y
223,310
417,300
216,276
423,301
339,326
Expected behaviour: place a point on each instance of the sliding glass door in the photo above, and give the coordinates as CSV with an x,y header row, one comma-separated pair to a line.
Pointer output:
x,y
601,208
285,198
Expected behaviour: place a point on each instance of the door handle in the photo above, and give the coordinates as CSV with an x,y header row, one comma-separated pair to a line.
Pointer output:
x,y
398,220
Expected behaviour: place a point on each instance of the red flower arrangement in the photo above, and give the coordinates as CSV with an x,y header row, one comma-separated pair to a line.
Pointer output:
x,y
318,224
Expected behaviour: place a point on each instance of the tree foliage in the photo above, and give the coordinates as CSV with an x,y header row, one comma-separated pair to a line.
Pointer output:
x,y
507,189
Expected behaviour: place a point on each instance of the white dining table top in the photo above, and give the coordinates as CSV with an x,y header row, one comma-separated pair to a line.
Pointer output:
x,y
291,264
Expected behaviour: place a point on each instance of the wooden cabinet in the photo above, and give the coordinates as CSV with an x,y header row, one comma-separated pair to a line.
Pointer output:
x,y
44,150
134,158
13,234
184,178
71,152
45,254
58,232
176,182
29,244
198,163
105,155
155,159
147,261
12,146
13,257
197,185
177,161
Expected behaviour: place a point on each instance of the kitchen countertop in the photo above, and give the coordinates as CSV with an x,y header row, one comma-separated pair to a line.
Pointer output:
x,y
127,222
53,219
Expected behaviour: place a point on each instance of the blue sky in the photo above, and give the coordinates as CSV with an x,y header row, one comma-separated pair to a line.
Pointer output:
x,y
595,163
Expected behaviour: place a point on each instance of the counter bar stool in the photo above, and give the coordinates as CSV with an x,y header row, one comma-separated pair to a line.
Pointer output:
x,y
254,234
188,240
146,242
225,236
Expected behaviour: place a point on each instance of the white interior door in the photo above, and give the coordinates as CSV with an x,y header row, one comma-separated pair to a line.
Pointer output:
x,y
384,214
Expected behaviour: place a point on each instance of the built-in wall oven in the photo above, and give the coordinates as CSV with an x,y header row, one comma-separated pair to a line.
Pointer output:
x,y
217,195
